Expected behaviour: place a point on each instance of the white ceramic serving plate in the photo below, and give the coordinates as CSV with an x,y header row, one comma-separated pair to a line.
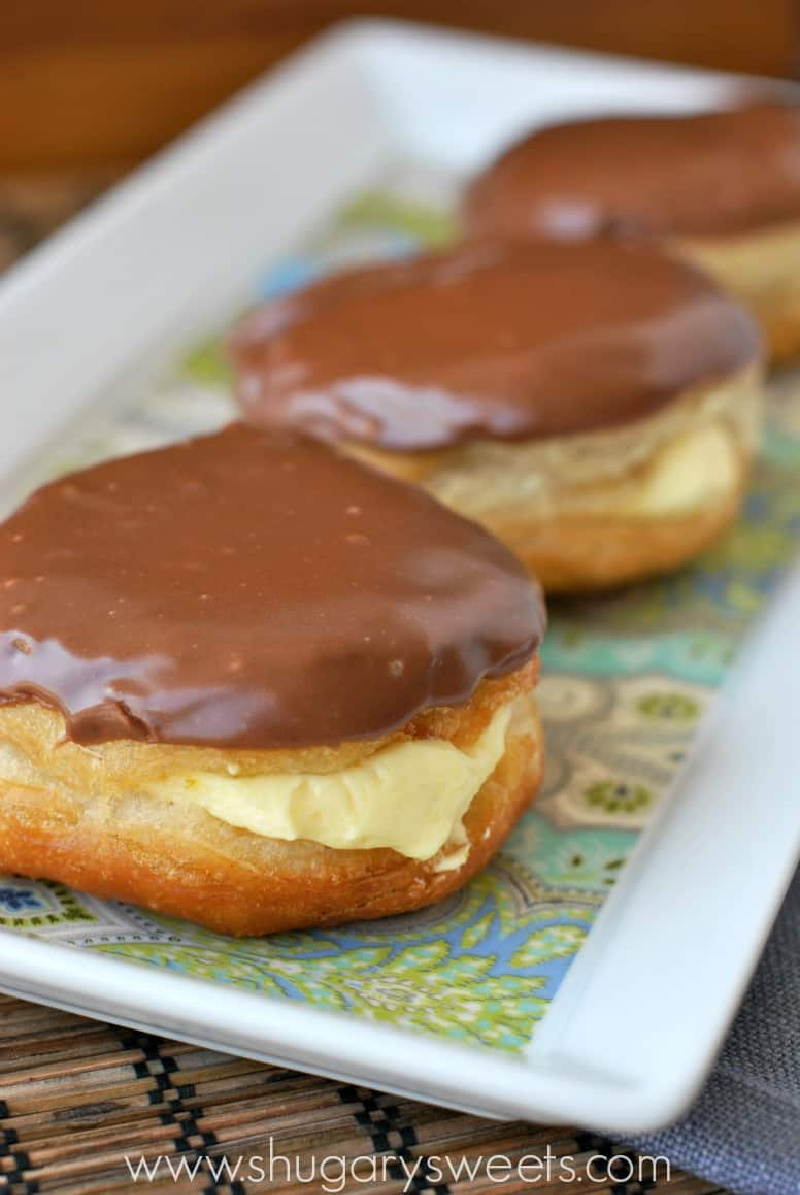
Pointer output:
x,y
127,277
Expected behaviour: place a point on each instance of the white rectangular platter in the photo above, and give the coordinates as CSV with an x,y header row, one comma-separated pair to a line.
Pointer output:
x,y
635,1022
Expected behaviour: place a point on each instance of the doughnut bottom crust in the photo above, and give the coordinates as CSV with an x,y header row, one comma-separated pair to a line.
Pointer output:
x,y
598,510
183,862
761,268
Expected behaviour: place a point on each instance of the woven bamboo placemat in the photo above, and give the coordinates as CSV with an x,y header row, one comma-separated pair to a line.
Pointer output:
x,y
77,1097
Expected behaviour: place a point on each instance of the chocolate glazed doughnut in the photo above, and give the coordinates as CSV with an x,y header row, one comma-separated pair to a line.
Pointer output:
x,y
720,188
595,406
251,682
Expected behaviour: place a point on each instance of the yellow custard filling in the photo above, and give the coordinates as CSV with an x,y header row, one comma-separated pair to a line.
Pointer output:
x,y
409,796
687,473
694,467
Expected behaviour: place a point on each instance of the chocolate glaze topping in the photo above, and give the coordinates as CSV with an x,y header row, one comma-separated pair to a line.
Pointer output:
x,y
708,175
252,590
511,341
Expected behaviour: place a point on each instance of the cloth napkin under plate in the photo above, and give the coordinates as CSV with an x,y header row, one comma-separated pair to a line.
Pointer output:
x,y
744,1130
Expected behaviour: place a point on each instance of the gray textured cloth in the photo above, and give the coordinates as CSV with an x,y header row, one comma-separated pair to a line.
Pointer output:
x,y
744,1131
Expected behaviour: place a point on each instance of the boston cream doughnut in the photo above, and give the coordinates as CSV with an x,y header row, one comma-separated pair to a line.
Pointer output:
x,y
721,188
251,682
595,406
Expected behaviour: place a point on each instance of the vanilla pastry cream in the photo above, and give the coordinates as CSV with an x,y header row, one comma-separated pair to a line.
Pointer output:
x,y
697,467
693,468
671,464
409,796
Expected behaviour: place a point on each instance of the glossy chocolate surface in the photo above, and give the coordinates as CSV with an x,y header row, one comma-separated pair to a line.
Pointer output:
x,y
706,175
507,341
249,589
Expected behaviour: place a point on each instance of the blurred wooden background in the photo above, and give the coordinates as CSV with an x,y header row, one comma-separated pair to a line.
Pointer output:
x,y
89,83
